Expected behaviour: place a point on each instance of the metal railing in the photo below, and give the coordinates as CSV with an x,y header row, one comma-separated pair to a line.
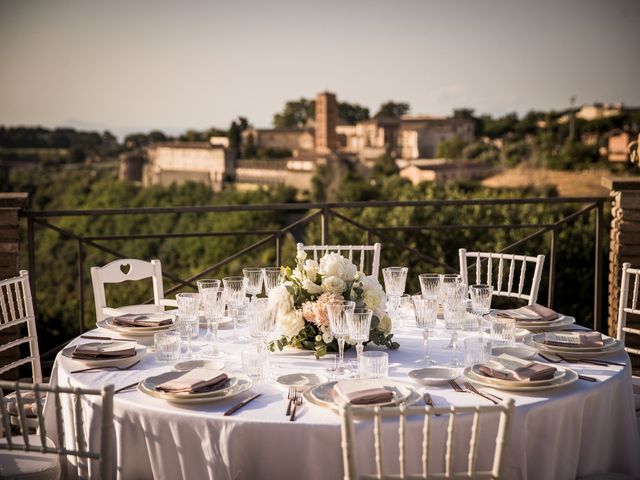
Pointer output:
x,y
328,215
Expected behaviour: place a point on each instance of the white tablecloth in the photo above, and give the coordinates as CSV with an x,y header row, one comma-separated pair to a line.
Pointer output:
x,y
558,434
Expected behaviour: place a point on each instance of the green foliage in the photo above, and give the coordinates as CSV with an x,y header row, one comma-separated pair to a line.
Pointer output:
x,y
451,148
384,166
295,114
516,152
352,113
393,109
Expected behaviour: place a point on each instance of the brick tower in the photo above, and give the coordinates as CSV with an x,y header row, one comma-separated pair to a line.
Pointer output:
x,y
326,121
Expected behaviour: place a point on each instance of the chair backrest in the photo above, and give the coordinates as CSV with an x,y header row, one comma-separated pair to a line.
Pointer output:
x,y
629,289
465,419
506,272
16,306
80,432
121,271
355,253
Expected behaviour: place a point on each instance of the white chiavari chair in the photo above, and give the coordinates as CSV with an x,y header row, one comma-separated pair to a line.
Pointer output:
x,y
84,444
16,306
630,304
458,419
355,253
505,271
124,270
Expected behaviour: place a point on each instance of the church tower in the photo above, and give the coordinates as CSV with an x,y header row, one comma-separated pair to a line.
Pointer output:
x,y
326,121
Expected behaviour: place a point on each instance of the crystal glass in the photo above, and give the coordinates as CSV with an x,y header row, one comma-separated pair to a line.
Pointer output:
x,y
338,313
455,310
395,280
272,278
255,364
503,331
167,346
375,364
188,312
214,301
429,284
208,283
477,350
481,298
236,291
426,308
262,322
254,278
359,326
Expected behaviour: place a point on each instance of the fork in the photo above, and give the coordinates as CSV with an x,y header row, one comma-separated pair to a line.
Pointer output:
x,y
297,401
291,397
491,398
453,384
114,367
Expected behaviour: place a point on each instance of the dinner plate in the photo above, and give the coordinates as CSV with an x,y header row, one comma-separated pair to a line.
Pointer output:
x,y
567,379
105,361
557,324
434,375
323,395
237,384
202,319
133,331
301,380
557,375
537,340
191,364
519,350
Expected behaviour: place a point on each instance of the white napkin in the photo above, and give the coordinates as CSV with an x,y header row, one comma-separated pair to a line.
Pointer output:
x,y
197,380
105,350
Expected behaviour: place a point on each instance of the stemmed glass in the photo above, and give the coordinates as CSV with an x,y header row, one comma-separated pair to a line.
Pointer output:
x,y
236,291
214,300
455,309
359,326
272,278
338,313
426,307
430,284
188,309
395,280
254,278
262,322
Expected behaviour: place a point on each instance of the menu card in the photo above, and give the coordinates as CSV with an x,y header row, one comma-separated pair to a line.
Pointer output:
x,y
363,392
508,367
574,339
530,313
93,350
198,380
142,320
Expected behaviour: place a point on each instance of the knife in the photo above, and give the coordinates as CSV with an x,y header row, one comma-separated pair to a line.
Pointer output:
x,y
587,378
238,406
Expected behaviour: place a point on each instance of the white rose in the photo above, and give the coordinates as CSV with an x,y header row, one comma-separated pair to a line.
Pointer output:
x,y
291,323
331,265
333,284
350,271
327,337
372,299
301,256
281,300
385,324
311,287
311,268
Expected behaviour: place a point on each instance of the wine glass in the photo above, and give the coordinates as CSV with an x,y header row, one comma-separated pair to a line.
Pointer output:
x,y
395,280
337,313
455,309
430,284
272,278
262,322
188,309
426,307
214,300
254,278
359,326
236,291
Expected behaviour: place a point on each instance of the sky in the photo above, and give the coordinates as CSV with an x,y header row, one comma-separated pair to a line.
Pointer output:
x,y
133,65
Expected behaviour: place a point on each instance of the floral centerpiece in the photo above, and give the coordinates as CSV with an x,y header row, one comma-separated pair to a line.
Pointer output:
x,y
306,290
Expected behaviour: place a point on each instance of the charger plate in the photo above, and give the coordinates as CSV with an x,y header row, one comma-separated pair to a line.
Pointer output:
x,y
67,353
613,347
567,379
558,374
108,324
237,385
538,341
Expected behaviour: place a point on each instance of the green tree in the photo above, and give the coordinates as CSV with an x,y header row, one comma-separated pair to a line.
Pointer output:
x,y
451,148
295,114
393,109
352,113
384,166
248,149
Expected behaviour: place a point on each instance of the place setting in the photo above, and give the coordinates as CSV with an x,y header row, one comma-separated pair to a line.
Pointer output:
x,y
96,356
139,324
575,344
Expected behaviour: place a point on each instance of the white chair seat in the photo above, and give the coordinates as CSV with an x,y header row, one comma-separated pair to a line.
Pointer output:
x,y
29,465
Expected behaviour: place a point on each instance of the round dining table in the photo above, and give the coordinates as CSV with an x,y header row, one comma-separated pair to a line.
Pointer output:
x,y
580,429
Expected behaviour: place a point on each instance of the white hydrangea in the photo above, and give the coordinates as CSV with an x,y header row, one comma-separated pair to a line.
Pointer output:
x,y
281,300
335,265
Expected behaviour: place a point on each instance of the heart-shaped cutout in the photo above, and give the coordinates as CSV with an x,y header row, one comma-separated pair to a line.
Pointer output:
x,y
125,268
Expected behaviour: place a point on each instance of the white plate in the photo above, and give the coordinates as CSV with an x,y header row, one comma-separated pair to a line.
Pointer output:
x,y
559,323
191,364
557,375
237,384
520,333
567,379
301,380
434,375
520,350
610,344
107,323
222,321
105,362
323,395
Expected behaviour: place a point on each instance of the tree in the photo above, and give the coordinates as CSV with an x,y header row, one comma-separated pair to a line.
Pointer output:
x,y
295,114
384,166
352,113
248,149
393,109
234,136
451,148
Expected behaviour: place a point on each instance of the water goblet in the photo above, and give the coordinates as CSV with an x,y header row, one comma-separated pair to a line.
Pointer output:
x,y
359,326
188,310
262,322
455,309
236,291
254,278
337,313
272,278
426,308
214,301
429,284
395,280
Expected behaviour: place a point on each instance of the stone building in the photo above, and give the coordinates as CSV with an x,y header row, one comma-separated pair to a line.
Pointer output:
x,y
419,135
326,122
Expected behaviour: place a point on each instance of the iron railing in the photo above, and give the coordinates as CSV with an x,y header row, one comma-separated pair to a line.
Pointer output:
x,y
304,214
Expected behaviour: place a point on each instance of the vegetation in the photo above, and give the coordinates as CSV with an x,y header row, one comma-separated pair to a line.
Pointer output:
x,y
393,109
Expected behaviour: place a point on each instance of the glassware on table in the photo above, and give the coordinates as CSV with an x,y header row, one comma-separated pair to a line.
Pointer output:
x,y
477,350
338,313
254,278
374,364
395,281
430,284
426,308
503,331
455,310
272,278
359,325
255,364
214,300
167,346
236,291
481,298
188,312
208,283
262,322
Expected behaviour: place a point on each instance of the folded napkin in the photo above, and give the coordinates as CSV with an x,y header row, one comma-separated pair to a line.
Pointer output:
x,y
363,392
508,367
198,380
530,313
97,350
142,320
574,339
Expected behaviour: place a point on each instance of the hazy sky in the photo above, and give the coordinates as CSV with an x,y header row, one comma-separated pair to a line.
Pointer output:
x,y
130,64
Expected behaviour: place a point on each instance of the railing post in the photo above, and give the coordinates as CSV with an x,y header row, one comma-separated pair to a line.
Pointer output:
x,y
597,287
278,250
81,284
326,215
552,266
